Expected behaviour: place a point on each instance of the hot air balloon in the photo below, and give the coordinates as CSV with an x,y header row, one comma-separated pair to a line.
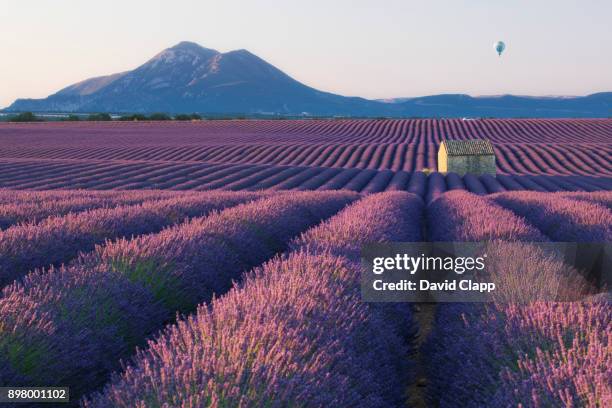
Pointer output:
x,y
500,46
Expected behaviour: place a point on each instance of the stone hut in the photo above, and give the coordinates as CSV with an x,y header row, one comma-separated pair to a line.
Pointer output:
x,y
474,156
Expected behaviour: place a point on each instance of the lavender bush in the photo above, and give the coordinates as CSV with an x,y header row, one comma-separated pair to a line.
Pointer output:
x,y
59,239
455,182
572,363
463,216
70,326
187,264
67,326
294,333
603,198
383,217
21,211
475,185
436,185
560,218
541,354
491,183
417,184
8,196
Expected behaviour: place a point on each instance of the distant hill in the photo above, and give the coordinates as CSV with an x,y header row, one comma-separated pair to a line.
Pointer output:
x,y
191,78
459,105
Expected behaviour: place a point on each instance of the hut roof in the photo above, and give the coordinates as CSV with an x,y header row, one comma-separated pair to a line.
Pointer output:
x,y
474,147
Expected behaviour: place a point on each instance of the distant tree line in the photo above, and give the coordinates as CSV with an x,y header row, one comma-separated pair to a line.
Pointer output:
x,y
24,117
161,116
102,117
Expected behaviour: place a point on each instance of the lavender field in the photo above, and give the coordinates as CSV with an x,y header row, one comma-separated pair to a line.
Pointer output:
x,y
359,155
217,263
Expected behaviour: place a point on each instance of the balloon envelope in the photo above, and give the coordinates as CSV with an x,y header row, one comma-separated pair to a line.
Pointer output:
x,y
500,46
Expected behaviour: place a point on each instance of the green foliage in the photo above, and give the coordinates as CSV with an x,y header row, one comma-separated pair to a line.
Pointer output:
x,y
99,117
71,118
193,116
134,117
25,357
159,116
227,117
157,276
24,117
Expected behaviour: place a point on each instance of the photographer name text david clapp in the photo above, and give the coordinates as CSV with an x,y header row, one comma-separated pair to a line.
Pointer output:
x,y
425,285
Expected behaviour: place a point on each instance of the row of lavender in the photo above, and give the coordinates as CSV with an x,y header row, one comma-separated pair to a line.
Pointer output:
x,y
17,207
407,130
539,354
436,184
8,196
51,175
243,132
512,158
70,326
58,239
294,333
280,338
170,280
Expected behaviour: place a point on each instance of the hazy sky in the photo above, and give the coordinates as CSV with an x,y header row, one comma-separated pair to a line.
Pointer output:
x,y
375,49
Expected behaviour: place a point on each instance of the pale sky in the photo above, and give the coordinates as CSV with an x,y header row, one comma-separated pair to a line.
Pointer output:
x,y
374,49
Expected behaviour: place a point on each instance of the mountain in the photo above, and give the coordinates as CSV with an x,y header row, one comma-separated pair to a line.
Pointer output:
x,y
460,105
191,78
